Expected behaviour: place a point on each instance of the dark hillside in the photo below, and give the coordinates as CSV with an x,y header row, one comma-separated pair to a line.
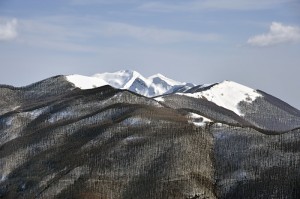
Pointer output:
x,y
58,141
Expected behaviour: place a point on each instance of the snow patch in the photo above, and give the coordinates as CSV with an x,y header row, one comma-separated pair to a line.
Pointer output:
x,y
228,95
15,108
35,113
133,138
9,121
3,178
198,120
159,99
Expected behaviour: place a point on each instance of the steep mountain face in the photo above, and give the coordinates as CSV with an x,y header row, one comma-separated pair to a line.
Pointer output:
x,y
62,138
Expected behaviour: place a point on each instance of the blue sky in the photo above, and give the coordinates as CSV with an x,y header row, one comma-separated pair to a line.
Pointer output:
x,y
255,43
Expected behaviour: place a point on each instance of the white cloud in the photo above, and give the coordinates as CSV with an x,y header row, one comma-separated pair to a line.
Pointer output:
x,y
277,34
53,34
196,5
88,34
8,29
152,34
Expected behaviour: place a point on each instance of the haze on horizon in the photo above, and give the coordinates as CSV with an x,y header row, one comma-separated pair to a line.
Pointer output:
x,y
255,43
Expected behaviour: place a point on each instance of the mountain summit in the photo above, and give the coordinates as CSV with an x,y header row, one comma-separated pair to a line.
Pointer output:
x,y
130,80
121,135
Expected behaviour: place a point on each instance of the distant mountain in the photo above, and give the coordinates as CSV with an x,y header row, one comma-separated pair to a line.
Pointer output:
x,y
130,80
121,135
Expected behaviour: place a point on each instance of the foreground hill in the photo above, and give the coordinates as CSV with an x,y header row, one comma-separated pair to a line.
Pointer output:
x,y
215,141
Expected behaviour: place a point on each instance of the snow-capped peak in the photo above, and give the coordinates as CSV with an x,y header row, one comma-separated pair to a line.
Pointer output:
x,y
159,77
227,94
121,79
130,80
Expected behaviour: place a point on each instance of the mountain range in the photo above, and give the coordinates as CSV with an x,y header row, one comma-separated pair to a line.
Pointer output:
x,y
121,135
130,80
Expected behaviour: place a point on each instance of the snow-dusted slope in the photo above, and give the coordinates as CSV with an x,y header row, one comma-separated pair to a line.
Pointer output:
x,y
131,80
85,82
227,94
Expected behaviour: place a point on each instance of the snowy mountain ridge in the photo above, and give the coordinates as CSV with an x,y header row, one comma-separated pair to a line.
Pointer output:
x,y
130,80
227,94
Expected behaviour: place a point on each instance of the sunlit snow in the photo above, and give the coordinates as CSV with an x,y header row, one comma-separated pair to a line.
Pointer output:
x,y
159,99
227,94
85,82
130,80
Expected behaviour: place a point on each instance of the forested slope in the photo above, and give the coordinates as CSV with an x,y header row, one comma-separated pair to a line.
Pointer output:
x,y
58,141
